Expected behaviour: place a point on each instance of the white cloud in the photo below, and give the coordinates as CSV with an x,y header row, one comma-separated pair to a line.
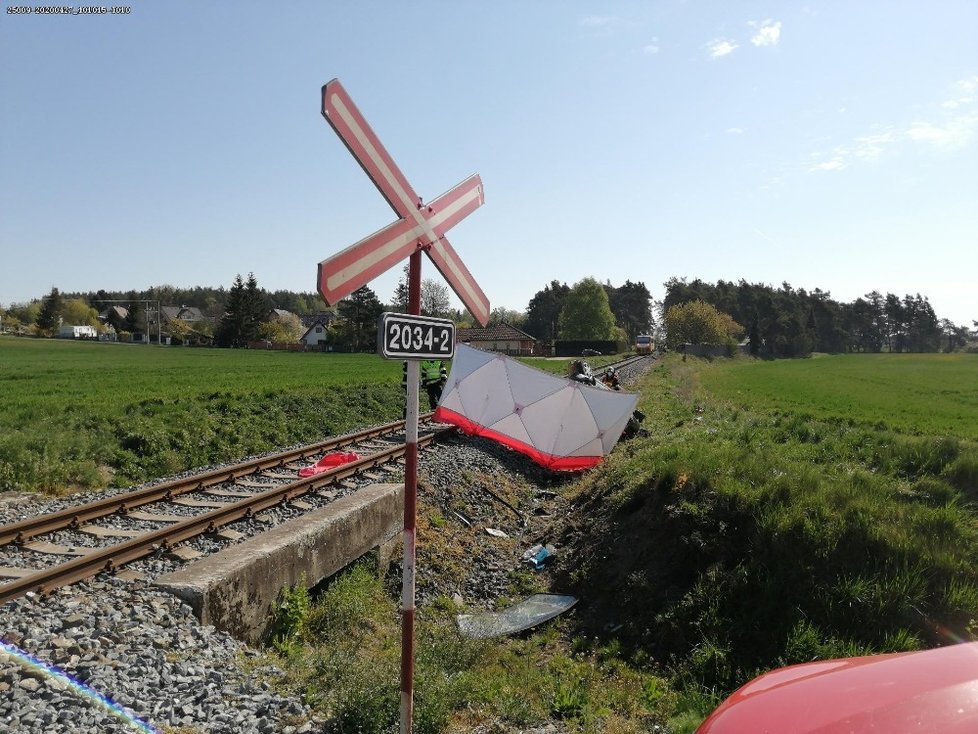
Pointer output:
x,y
721,47
735,130
836,161
871,147
596,21
601,22
954,128
964,94
768,33
968,86
954,134
652,48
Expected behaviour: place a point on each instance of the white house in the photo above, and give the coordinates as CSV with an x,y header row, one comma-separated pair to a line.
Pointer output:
x,y
315,336
77,332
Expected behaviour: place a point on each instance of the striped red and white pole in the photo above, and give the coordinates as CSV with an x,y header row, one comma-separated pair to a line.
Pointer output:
x,y
410,508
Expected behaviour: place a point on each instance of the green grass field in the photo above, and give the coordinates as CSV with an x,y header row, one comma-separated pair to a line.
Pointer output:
x,y
782,512
923,394
83,415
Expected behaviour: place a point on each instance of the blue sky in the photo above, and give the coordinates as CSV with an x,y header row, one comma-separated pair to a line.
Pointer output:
x,y
830,145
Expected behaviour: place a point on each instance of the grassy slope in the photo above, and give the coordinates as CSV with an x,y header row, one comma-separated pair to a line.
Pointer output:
x,y
744,535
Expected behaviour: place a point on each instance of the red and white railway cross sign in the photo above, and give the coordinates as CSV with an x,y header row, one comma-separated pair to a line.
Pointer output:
x,y
419,226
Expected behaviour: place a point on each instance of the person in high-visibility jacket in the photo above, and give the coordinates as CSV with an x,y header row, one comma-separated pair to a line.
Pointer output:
x,y
434,375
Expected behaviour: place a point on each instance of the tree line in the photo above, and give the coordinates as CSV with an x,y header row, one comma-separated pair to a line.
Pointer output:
x,y
775,322
588,310
790,322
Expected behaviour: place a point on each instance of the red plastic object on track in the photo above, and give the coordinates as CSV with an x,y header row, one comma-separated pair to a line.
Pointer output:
x,y
330,461
933,691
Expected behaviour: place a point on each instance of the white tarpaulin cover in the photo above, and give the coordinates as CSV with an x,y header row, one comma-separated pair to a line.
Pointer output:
x,y
559,423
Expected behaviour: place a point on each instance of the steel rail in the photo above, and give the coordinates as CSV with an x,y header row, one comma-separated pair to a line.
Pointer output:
x,y
72,517
111,558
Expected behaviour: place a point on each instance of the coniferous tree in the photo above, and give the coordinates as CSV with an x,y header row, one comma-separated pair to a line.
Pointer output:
x,y
254,309
136,320
50,316
632,306
359,313
229,332
543,311
399,303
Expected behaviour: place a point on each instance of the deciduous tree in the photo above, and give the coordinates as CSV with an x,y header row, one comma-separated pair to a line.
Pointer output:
x,y
696,322
77,312
434,298
502,315
286,329
586,313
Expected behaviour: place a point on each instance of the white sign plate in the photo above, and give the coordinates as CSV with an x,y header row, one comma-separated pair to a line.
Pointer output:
x,y
403,336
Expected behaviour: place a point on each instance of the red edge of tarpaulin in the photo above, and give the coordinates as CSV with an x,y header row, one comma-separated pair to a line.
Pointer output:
x,y
329,461
550,461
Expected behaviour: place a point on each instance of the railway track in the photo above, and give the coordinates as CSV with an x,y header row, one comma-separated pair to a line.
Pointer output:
x,y
212,500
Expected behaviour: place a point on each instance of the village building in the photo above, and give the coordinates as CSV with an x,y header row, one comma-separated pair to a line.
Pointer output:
x,y
77,332
186,314
326,318
502,338
278,313
316,337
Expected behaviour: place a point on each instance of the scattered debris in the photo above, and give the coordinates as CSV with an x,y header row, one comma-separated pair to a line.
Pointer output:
x,y
505,503
463,518
496,533
521,616
537,555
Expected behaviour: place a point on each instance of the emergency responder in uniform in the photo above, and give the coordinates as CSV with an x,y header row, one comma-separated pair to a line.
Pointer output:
x,y
610,379
434,375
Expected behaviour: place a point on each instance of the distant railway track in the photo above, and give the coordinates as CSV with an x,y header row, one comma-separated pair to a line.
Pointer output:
x,y
232,493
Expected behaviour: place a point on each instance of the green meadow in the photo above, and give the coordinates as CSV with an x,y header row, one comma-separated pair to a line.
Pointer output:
x,y
783,512
922,394
83,415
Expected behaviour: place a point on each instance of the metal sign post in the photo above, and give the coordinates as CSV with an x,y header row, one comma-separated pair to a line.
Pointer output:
x,y
419,227
410,510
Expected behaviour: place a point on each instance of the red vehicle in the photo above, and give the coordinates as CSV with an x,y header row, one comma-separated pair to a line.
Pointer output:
x,y
928,692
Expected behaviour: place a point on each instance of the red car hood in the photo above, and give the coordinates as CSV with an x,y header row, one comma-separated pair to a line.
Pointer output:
x,y
920,692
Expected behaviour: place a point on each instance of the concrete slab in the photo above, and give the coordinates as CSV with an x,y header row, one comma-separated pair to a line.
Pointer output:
x,y
235,590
